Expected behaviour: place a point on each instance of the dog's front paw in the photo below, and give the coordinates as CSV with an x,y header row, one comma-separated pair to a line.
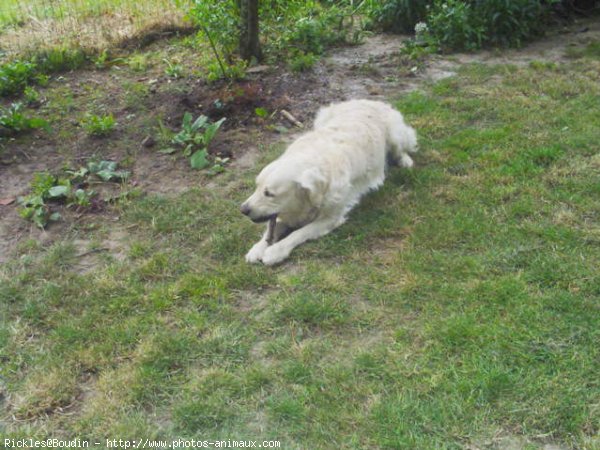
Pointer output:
x,y
274,255
256,252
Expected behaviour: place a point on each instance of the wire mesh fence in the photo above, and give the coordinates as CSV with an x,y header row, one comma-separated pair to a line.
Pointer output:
x,y
33,25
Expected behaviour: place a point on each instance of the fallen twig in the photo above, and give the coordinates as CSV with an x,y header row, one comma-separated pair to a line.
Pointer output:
x,y
291,118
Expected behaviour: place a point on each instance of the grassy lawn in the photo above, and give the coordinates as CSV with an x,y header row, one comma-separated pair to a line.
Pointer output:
x,y
458,304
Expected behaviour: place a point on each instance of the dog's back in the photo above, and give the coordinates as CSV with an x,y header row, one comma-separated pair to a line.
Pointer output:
x,y
400,138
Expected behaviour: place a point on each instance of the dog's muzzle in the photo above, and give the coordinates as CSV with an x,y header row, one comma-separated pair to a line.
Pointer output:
x,y
245,210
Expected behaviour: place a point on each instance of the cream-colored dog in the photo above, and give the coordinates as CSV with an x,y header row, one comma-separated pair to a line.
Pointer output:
x,y
308,190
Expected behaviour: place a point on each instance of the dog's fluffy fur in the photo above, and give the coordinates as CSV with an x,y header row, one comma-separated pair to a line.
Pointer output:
x,y
323,174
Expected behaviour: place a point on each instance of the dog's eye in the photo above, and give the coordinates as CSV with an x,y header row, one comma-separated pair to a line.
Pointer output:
x,y
269,193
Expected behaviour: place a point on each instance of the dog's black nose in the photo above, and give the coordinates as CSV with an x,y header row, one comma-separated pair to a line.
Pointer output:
x,y
245,209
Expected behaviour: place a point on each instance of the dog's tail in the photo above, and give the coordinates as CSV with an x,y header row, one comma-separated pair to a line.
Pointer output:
x,y
402,139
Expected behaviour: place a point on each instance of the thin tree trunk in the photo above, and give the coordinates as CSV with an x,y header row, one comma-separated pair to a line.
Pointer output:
x,y
249,30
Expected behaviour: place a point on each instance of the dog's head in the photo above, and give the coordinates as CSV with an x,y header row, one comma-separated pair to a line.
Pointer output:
x,y
287,191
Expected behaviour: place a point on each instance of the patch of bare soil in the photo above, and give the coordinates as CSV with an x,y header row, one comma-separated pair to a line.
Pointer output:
x,y
375,69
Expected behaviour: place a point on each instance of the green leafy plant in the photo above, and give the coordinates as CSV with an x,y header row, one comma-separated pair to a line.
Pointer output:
x,y
98,125
106,171
44,187
69,189
219,21
15,76
32,96
14,121
81,197
36,206
194,138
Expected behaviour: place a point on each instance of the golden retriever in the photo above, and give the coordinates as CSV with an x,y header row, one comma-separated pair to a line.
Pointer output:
x,y
307,191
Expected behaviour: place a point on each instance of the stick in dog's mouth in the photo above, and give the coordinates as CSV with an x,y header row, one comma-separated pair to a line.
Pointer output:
x,y
271,229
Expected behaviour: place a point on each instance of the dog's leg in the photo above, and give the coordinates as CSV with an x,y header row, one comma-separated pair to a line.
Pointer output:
x,y
258,249
280,231
282,249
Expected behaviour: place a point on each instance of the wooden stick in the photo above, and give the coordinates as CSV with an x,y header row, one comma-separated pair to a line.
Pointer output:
x,y
271,229
291,118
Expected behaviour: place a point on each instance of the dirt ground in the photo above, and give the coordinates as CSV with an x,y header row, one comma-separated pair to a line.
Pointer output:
x,y
375,69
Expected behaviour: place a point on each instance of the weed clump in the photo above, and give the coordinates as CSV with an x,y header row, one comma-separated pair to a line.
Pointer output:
x,y
98,126
15,76
69,188
14,121
194,138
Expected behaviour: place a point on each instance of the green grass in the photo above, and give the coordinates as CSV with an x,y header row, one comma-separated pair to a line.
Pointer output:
x,y
458,304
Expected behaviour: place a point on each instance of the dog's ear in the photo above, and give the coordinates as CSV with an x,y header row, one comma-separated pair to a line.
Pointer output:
x,y
315,184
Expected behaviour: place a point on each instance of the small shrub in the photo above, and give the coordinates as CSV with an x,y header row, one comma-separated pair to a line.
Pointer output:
x,y
455,25
312,28
219,20
312,34
510,23
98,125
